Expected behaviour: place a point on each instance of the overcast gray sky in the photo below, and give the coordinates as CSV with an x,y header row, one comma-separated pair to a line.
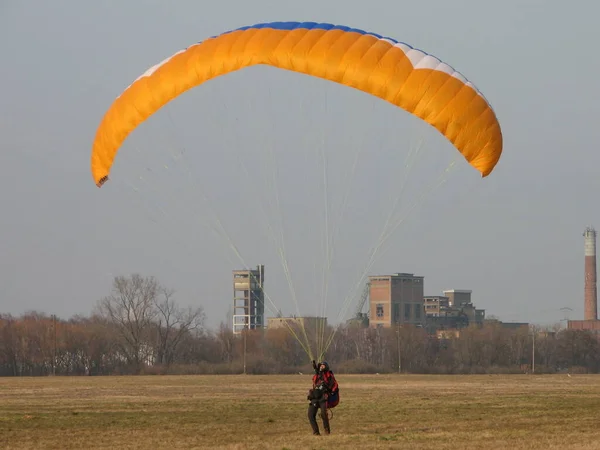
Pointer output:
x,y
514,238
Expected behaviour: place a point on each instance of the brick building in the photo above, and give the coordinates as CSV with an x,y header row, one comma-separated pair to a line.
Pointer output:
x,y
396,299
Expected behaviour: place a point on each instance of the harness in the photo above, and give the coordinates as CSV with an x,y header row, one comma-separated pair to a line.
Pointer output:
x,y
322,381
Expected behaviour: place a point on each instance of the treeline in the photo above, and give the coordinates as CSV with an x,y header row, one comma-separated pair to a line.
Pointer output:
x,y
140,329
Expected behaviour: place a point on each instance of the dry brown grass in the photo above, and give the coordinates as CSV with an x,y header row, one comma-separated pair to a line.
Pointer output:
x,y
269,412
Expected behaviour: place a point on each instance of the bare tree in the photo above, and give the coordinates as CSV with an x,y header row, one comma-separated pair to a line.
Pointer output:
x,y
8,346
174,323
131,309
226,339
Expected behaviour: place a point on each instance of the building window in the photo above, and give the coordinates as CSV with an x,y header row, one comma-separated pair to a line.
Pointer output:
x,y
407,311
417,312
379,310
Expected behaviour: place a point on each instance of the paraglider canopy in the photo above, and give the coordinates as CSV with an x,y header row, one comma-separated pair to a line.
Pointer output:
x,y
394,71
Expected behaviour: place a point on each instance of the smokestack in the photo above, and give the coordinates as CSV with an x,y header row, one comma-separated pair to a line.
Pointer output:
x,y
590,296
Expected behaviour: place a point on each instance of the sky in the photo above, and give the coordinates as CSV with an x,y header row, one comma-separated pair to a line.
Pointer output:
x,y
211,156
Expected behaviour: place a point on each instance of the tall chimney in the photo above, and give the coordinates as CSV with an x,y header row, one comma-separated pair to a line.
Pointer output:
x,y
590,298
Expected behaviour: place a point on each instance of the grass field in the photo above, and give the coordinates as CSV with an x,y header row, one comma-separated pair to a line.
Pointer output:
x,y
269,412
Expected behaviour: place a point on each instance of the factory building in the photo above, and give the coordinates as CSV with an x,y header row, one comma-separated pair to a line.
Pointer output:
x,y
396,299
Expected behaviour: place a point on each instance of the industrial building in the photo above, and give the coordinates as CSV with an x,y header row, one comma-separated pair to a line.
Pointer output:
x,y
452,310
249,305
396,299
590,297
460,299
248,299
435,305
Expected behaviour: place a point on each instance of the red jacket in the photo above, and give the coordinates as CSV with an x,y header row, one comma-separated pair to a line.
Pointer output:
x,y
328,378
